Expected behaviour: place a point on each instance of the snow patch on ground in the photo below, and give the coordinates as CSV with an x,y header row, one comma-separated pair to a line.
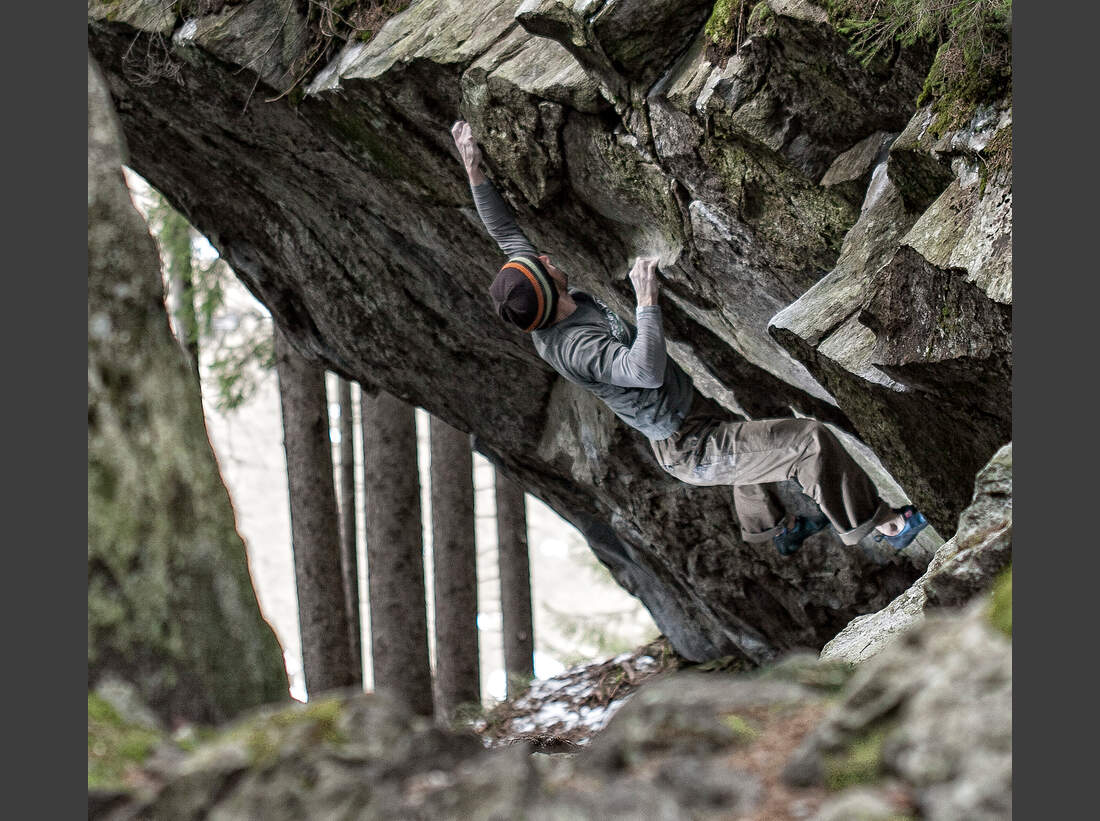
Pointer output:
x,y
569,709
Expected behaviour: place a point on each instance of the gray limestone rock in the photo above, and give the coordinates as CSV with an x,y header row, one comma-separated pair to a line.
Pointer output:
x,y
934,710
858,804
366,756
911,331
968,564
851,171
358,754
683,714
689,744
811,264
625,44
345,211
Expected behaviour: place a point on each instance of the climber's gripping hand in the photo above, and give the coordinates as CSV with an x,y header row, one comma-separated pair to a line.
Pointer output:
x,y
643,276
469,151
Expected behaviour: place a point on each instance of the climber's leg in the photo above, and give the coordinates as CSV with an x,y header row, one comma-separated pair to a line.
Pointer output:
x,y
759,511
807,451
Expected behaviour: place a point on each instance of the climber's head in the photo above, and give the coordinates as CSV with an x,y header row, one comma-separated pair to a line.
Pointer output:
x,y
525,291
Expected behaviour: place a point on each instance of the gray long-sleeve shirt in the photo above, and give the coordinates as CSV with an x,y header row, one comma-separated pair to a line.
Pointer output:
x,y
626,367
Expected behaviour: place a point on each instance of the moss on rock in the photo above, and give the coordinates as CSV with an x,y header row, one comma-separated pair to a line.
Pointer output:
x,y
734,21
265,735
721,28
743,732
1000,603
171,607
116,746
860,762
973,40
805,668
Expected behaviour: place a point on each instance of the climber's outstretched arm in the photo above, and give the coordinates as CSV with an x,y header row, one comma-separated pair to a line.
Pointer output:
x,y
495,214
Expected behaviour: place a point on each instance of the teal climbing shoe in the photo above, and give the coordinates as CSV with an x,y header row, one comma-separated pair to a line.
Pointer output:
x,y
914,524
790,539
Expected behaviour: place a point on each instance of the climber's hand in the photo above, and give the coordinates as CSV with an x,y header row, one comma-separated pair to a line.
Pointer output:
x,y
643,276
469,150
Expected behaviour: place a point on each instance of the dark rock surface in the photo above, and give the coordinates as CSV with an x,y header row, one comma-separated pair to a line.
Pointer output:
x,y
345,211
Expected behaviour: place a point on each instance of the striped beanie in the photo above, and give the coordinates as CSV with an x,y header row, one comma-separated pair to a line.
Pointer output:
x,y
524,294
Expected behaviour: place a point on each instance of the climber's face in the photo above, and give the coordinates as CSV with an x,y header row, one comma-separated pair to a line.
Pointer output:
x,y
556,274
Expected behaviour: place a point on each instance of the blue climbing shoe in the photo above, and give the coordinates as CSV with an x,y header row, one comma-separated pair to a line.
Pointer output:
x,y
914,524
790,539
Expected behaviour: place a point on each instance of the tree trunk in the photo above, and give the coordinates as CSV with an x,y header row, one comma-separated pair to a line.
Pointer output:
x,y
314,522
349,556
395,552
515,585
454,552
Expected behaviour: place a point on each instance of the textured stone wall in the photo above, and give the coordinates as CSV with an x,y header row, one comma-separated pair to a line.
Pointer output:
x,y
613,132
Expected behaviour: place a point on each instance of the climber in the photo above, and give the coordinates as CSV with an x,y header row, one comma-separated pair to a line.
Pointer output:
x,y
693,437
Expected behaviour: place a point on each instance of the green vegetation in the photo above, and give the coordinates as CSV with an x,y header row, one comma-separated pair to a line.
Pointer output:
x,y
733,21
236,380
115,746
1000,603
239,358
725,21
118,748
973,41
744,731
973,63
859,763
264,736
193,736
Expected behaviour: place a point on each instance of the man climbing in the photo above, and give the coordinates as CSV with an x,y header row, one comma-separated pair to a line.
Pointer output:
x,y
693,438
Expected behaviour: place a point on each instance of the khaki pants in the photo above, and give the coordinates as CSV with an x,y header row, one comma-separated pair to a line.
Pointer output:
x,y
713,447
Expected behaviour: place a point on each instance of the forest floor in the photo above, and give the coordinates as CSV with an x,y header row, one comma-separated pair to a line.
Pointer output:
x,y
562,715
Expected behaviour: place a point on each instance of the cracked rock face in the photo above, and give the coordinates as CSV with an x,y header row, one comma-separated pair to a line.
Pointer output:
x,y
612,134
911,330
